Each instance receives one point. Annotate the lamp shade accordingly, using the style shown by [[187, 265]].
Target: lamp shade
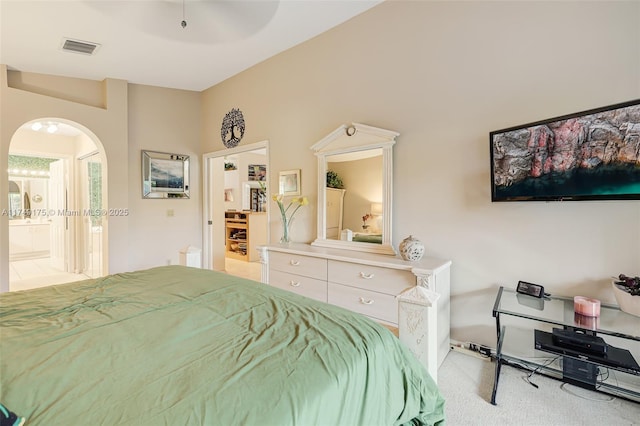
[[376, 209]]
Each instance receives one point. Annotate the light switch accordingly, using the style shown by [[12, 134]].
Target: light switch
[[170, 212]]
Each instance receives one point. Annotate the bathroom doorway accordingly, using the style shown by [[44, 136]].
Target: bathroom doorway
[[56, 196]]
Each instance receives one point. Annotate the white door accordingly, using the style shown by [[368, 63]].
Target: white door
[[57, 218]]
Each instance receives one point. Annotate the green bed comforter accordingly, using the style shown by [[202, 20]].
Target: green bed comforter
[[368, 238], [185, 346]]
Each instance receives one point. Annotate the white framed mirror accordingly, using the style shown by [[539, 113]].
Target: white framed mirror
[[356, 213]]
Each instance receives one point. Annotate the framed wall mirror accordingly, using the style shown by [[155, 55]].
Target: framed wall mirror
[[355, 172], [165, 175]]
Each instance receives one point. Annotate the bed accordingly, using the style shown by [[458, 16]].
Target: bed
[[367, 238], [184, 346]]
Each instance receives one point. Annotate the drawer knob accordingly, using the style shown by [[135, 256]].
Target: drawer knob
[[366, 276], [294, 262], [294, 283], [366, 301]]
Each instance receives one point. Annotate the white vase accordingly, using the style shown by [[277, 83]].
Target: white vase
[[628, 303], [411, 249]]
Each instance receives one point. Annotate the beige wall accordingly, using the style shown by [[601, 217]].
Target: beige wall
[[33, 96], [133, 118], [444, 74], [165, 120]]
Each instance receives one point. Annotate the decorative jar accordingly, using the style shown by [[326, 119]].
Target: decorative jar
[[411, 249]]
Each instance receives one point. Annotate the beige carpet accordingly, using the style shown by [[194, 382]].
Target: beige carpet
[[466, 383]]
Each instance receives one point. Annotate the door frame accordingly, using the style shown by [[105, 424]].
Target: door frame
[[210, 209]]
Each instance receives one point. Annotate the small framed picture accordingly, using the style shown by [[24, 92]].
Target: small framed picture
[[257, 172], [289, 183]]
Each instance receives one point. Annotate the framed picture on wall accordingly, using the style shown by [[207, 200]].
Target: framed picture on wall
[[165, 175], [289, 183], [257, 172]]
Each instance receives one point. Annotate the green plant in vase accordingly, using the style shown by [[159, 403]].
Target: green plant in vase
[[333, 180]]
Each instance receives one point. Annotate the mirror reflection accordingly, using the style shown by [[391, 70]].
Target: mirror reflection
[[355, 188], [354, 208]]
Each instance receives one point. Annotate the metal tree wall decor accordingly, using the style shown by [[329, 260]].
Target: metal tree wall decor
[[232, 129]]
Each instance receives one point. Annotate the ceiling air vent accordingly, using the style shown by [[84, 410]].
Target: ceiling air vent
[[78, 46]]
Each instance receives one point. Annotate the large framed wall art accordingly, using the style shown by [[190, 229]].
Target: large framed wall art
[[165, 175]]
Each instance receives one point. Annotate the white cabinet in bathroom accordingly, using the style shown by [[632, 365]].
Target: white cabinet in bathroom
[[28, 240]]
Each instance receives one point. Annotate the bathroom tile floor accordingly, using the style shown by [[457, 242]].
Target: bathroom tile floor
[[34, 273]]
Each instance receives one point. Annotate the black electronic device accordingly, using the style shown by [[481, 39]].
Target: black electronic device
[[617, 358], [530, 289], [579, 373], [579, 341], [518, 175]]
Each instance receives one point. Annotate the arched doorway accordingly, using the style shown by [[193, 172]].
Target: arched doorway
[[57, 180]]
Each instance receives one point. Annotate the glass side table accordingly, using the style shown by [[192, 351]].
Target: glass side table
[[524, 325]]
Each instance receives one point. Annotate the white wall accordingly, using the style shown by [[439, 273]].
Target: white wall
[[444, 74]]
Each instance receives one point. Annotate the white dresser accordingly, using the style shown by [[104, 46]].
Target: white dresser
[[410, 296]]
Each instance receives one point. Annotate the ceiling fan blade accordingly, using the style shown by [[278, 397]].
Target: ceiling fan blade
[[207, 21]]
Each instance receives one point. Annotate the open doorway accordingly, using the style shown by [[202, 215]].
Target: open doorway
[[236, 209], [56, 198]]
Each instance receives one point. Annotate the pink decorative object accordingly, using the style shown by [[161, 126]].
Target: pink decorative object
[[590, 323], [586, 306]]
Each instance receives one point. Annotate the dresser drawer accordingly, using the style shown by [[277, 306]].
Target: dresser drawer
[[313, 267], [369, 303], [304, 286], [382, 280]]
